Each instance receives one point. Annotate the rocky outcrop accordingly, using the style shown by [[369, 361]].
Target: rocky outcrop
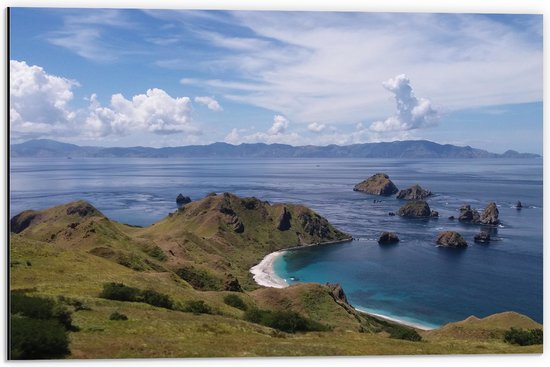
[[482, 237], [387, 238], [21, 221], [182, 200], [82, 209], [232, 284], [337, 292], [414, 193], [314, 224], [490, 215], [451, 239], [468, 215], [378, 184], [413, 209], [284, 220]]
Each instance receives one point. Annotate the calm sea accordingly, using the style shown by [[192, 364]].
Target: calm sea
[[413, 281]]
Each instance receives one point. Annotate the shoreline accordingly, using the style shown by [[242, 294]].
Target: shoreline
[[264, 275], [395, 320]]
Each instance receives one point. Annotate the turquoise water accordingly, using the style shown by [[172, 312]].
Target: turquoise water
[[413, 280]]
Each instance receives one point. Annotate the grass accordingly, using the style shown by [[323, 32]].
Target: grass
[[199, 237]]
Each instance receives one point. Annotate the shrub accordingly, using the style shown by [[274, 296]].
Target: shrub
[[405, 334], [117, 316], [523, 337], [235, 301], [121, 292], [155, 298], [200, 279], [37, 338], [155, 252], [287, 321], [41, 308], [197, 307]]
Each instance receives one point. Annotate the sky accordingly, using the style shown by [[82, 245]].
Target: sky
[[115, 77]]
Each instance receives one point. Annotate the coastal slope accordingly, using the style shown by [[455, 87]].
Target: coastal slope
[[199, 258]]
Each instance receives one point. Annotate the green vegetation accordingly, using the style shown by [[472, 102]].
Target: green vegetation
[[76, 266], [197, 307], [199, 278], [39, 328], [121, 292], [287, 321], [117, 316], [523, 337], [234, 300]]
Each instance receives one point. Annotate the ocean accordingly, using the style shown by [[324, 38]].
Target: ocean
[[414, 281]]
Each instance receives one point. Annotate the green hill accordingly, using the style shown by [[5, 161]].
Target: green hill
[[193, 258]]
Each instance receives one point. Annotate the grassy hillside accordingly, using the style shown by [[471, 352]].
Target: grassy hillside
[[70, 252]]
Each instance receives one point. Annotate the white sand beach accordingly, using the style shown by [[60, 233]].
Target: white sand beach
[[397, 321], [265, 275]]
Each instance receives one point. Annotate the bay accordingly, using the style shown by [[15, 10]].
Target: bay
[[413, 281]]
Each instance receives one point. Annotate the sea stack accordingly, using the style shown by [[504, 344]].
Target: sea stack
[[378, 184], [182, 200], [490, 215], [418, 208], [451, 239], [388, 238], [468, 215], [415, 192]]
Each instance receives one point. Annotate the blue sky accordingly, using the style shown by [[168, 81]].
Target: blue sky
[[167, 78]]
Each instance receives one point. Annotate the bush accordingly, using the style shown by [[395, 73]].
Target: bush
[[523, 337], [197, 307], [37, 338], [235, 301], [155, 298], [121, 292], [405, 334], [155, 252], [200, 279], [287, 321], [41, 308], [117, 316]]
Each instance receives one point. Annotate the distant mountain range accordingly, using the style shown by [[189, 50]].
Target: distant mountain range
[[397, 149]]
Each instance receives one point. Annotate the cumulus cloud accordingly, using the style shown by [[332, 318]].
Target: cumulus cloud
[[280, 124], [316, 127], [39, 102], [40, 107], [209, 102], [155, 111], [277, 133], [412, 113]]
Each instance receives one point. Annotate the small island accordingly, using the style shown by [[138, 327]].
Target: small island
[[378, 184]]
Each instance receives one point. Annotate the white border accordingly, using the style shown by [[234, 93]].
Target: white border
[[453, 6]]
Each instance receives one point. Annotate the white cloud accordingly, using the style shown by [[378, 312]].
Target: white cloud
[[327, 66], [156, 112], [316, 127], [39, 102], [85, 34], [40, 107], [209, 102], [412, 113], [280, 124], [277, 133]]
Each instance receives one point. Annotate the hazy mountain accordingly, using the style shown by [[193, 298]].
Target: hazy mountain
[[396, 149]]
